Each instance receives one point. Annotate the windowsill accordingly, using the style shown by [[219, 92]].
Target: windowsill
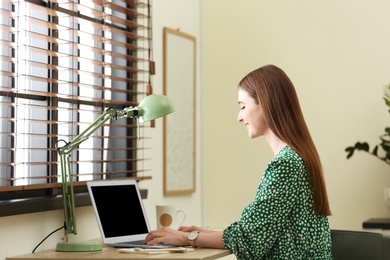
[[33, 205]]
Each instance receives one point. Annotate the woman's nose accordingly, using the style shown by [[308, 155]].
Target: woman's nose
[[239, 118]]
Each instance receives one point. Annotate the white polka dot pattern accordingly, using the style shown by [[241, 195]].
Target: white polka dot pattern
[[281, 223]]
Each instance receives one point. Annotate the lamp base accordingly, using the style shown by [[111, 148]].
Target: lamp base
[[79, 246]]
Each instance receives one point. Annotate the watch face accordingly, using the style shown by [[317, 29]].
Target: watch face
[[192, 235]]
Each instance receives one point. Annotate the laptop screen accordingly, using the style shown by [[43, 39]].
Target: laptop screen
[[119, 210]]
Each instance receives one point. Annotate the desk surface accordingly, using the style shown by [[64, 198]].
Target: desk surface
[[112, 253]]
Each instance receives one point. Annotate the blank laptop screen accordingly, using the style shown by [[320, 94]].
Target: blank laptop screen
[[119, 210]]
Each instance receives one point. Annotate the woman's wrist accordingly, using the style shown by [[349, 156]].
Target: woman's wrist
[[192, 237], [186, 242]]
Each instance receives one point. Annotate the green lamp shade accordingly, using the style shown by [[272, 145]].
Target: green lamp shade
[[153, 107]]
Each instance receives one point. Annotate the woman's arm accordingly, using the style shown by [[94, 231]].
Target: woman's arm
[[210, 239], [206, 238]]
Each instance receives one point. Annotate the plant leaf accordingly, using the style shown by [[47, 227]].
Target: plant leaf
[[350, 151], [362, 146], [375, 151]]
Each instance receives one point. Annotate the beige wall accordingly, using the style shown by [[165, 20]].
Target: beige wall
[[185, 16], [336, 53]]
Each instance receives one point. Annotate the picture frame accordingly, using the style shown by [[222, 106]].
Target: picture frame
[[179, 130]]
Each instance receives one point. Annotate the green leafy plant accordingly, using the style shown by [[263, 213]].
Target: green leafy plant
[[384, 145]]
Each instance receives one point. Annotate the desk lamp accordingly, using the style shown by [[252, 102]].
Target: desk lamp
[[150, 108]]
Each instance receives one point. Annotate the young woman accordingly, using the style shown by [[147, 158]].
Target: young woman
[[288, 218]]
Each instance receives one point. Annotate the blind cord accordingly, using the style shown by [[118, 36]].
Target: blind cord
[[48, 237]]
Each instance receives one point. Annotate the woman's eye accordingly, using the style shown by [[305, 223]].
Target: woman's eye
[[242, 108]]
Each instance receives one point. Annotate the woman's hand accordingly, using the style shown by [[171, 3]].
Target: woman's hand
[[193, 228], [168, 236]]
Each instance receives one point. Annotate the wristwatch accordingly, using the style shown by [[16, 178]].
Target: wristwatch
[[192, 236]]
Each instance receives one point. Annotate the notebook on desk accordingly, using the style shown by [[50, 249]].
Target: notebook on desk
[[120, 213]]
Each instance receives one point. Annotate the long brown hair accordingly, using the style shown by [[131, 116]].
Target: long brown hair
[[270, 87]]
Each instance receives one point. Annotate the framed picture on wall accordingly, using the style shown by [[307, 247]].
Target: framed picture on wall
[[179, 75]]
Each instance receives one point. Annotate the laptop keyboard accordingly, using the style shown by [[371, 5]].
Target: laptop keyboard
[[141, 243], [136, 242]]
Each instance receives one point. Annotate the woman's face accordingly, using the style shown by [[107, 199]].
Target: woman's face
[[251, 114]]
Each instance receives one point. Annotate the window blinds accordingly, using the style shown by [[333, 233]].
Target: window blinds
[[62, 64]]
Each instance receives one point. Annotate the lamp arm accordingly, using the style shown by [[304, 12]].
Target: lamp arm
[[110, 113], [64, 153]]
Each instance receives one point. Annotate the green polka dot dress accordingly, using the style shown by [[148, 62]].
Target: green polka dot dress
[[281, 223]]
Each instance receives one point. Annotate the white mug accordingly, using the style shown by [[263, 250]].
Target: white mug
[[168, 216]]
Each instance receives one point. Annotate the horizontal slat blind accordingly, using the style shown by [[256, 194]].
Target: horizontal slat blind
[[63, 63]]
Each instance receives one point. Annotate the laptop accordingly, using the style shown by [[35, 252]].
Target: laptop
[[120, 213]]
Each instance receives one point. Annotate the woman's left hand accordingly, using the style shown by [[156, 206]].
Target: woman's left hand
[[168, 236]]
